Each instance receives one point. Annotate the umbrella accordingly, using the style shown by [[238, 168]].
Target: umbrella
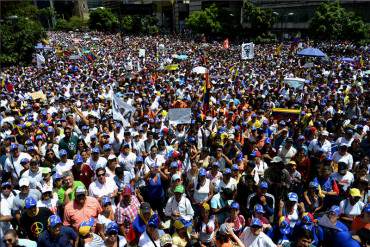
[[199, 70], [180, 57], [308, 65], [311, 52]]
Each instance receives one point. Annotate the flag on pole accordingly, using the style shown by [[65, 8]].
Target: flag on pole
[[40, 60], [121, 111], [278, 49], [226, 44]]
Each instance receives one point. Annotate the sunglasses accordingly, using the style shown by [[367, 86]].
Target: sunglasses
[[101, 175], [7, 240], [6, 187], [112, 233]]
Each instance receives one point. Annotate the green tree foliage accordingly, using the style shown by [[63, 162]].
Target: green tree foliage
[[103, 19], [74, 23], [139, 24], [205, 21], [260, 20], [333, 22], [18, 38], [20, 31]]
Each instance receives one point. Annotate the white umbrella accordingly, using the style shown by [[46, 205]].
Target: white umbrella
[[199, 70]]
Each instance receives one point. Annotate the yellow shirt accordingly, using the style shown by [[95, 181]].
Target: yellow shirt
[[177, 241]]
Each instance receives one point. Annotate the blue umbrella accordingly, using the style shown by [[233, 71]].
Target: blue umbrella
[[311, 52], [347, 59]]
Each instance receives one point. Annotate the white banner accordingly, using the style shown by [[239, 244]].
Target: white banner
[[179, 116], [141, 52], [40, 60], [122, 111], [247, 51]]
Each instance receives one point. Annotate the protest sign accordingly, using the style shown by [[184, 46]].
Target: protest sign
[[285, 113], [247, 51], [179, 116], [122, 111], [296, 83], [141, 52]]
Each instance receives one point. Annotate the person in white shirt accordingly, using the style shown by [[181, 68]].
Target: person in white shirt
[[127, 159], [153, 158], [151, 236], [343, 177], [116, 138], [287, 151], [65, 164], [227, 181], [102, 186], [96, 161], [254, 236], [179, 205], [6, 202], [34, 174], [321, 143], [347, 139], [352, 206], [343, 156], [137, 144], [13, 162]]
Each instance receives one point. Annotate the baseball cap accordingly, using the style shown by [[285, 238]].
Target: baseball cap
[[6, 183], [62, 152], [354, 192], [313, 184], [258, 208], [79, 160], [165, 239], [367, 208], [126, 191], [256, 222], [154, 221], [206, 206], [268, 141], [107, 147], [324, 133], [24, 182], [202, 172], [139, 159], [216, 164], [335, 209], [57, 176], [30, 202], [106, 200], [235, 205], [235, 167], [293, 197], [256, 154], [85, 227], [227, 171], [80, 190], [24, 161], [301, 137], [181, 223], [45, 189], [54, 220], [276, 159], [264, 185], [95, 150], [45, 170], [179, 189], [174, 164], [145, 207], [112, 227], [175, 177], [13, 146], [112, 157]]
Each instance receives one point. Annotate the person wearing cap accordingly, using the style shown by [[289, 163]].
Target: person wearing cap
[[82, 171], [179, 205], [113, 239], [206, 225], [56, 234], [342, 155], [25, 191], [321, 143], [215, 175], [225, 236], [47, 181], [175, 180], [64, 164], [48, 200], [127, 158], [220, 203], [181, 238], [151, 235], [261, 165], [34, 219], [361, 225], [202, 188], [287, 151], [7, 195], [69, 142], [86, 235], [295, 177], [138, 144], [106, 216], [352, 206], [67, 192], [96, 160], [236, 220], [303, 238], [346, 139], [87, 204], [227, 181], [138, 225], [343, 177], [33, 174], [128, 206], [253, 235], [328, 185], [291, 209], [312, 199], [112, 164], [102, 186], [13, 165], [154, 158], [11, 239], [263, 198]]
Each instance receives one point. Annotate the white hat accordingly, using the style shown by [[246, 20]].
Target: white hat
[[324, 133], [24, 182], [45, 189], [111, 157]]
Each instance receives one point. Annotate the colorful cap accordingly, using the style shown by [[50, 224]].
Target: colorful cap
[[258, 208], [154, 221], [179, 189], [30, 202], [107, 147], [256, 222], [24, 161], [79, 160], [264, 185], [106, 200], [227, 171], [112, 227], [354, 192], [206, 206], [181, 223], [175, 177], [293, 197], [139, 159], [335, 209], [54, 220], [126, 191], [57, 176], [24, 182], [13, 146], [80, 190], [313, 184], [235, 205], [235, 167], [62, 152], [95, 150], [85, 227], [202, 172]]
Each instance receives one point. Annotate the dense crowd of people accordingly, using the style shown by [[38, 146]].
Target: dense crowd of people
[[240, 173]]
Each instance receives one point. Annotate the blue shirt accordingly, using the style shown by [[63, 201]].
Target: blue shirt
[[63, 240]]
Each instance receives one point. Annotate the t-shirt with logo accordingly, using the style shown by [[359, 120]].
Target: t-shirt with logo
[[35, 225]]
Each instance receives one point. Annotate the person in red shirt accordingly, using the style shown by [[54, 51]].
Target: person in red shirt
[[82, 171]]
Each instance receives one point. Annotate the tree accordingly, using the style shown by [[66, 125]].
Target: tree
[[103, 19], [18, 38], [260, 20], [139, 24], [20, 31], [205, 21], [333, 22]]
